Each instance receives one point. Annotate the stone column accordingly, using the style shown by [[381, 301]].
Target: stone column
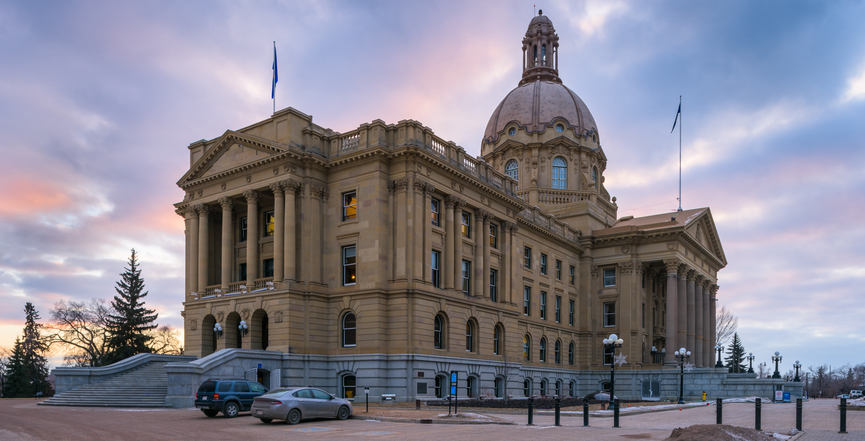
[[251, 237], [672, 310], [450, 230], [477, 272], [458, 245], [713, 290], [227, 242], [691, 346], [402, 223], [487, 257], [191, 214], [203, 247], [697, 352], [278, 231], [391, 215], [682, 307], [426, 222], [506, 265], [707, 339], [290, 228]]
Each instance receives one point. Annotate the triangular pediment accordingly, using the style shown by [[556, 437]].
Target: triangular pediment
[[231, 151], [701, 227]]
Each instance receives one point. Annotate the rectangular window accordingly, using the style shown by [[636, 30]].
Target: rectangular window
[[527, 255], [571, 312], [494, 294], [558, 309], [494, 236], [527, 300], [435, 210], [644, 315], [609, 314], [609, 277], [558, 269], [268, 267], [243, 229], [349, 205], [543, 305], [571, 275], [543, 263], [269, 221], [349, 265], [467, 224], [241, 273], [436, 258], [608, 354], [467, 277]]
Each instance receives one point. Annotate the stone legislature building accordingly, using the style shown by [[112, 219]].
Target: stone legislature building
[[386, 257]]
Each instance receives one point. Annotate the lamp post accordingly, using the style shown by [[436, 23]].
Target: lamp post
[[654, 354], [750, 359], [719, 348], [797, 365], [777, 359], [217, 330], [243, 328], [682, 355], [611, 343], [762, 367]]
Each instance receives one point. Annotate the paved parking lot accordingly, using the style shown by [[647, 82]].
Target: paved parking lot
[[24, 420]]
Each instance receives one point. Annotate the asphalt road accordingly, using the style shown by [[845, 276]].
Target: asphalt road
[[22, 419]]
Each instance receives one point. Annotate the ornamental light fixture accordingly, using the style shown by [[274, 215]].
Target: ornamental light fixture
[[217, 330], [243, 328], [611, 343]]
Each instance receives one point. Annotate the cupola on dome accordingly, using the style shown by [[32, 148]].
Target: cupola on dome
[[540, 100]]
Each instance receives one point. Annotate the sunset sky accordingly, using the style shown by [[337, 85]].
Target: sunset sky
[[99, 100]]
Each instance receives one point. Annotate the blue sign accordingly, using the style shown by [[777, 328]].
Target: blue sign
[[786, 397], [454, 379], [259, 365]]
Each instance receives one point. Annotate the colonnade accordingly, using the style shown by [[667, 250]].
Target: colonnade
[[690, 314]]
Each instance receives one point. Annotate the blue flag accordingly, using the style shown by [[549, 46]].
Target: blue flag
[[678, 112], [275, 75]]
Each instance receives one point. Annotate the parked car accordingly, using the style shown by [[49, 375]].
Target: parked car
[[229, 396], [295, 404], [855, 394], [842, 396]]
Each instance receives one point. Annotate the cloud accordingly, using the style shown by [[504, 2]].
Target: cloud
[[855, 87]]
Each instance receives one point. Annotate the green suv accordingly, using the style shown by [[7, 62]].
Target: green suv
[[229, 396]]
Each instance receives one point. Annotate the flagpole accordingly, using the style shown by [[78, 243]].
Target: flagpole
[[274, 83], [680, 154]]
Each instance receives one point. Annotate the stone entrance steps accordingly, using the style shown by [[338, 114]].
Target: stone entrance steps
[[146, 386]]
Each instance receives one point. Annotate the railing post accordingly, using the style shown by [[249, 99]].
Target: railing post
[[719, 411], [616, 414], [843, 416], [799, 414], [757, 415], [586, 413], [531, 410], [558, 412]]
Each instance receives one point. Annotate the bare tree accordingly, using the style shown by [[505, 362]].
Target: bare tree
[[726, 325], [165, 340], [506, 369], [78, 331]]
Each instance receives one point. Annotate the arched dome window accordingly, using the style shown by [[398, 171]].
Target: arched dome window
[[536, 55], [595, 176], [512, 169], [544, 55], [560, 173]]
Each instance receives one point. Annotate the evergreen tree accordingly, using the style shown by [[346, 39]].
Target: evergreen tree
[[128, 328], [15, 383], [27, 371], [736, 360]]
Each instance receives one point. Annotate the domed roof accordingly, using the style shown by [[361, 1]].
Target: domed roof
[[535, 105]]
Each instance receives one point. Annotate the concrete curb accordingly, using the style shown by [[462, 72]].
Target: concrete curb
[[430, 420]]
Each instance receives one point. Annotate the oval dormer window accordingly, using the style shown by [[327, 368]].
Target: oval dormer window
[[560, 128], [512, 131]]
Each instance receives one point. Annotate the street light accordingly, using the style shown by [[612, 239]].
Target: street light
[[612, 343], [217, 330], [719, 348], [682, 355], [797, 365], [654, 354], [777, 359], [762, 366], [750, 359], [243, 328]]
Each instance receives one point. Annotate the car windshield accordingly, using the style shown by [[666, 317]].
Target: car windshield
[[276, 392], [207, 386]]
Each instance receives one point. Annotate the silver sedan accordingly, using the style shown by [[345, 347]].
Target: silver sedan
[[297, 403]]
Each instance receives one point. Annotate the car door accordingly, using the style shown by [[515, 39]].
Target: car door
[[326, 404], [241, 390], [306, 403]]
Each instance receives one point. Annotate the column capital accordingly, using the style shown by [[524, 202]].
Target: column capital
[[482, 215], [684, 270], [290, 186], [226, 203], [713, 289], [510, 226], [397, 185], [202, 209], [707, 283], [594, 271], [692, 273], [698, 279], [277, 188], [625, 267], [454, 202], [186, 212], [320, 192], [428, 189], [672, 266], [251, 196]]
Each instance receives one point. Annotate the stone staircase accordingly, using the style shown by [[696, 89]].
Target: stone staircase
[[145, 386]]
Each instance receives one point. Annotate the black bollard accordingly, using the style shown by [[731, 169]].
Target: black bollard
[[843, 415], [586, 413], [757, 416], [799, 414], [558, 412], [719, 411], [449, 404], [531, 410], [616, 414]]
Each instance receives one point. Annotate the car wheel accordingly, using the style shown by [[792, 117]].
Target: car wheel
[[210, 412], [231, 409], [342, 413], [266, 420], [293, 417]]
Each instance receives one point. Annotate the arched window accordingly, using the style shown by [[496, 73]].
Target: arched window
[[527, 387], [527, 347], [349, 386], [595, 176], [535, 52], [543, 347], [496, 340], [571, 354], [559, 388], [544, 55], [544, 384], [560, 173], [470, 334], [558, 352], [440, 386], [349, 330], [438, 327], [572, 388], [512, 169], [471, 387], [500, 387]]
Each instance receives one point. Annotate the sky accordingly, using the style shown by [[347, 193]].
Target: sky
[[99, 100]]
